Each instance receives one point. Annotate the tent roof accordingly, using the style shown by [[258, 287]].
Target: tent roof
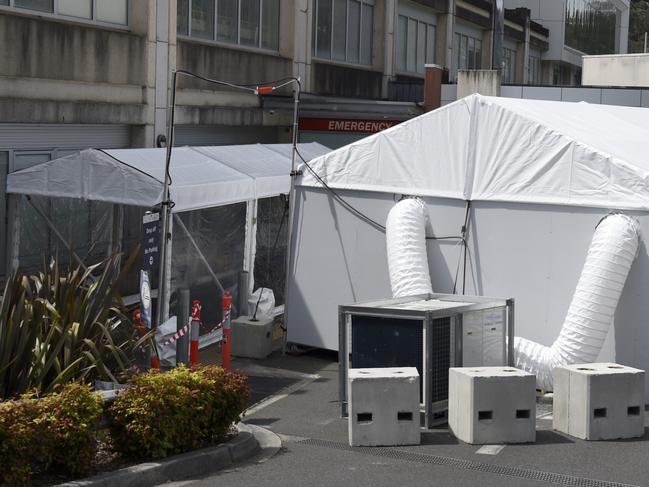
[[504, 149], [202, 177]]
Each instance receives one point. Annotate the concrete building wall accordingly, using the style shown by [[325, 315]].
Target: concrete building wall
[[616, 70]]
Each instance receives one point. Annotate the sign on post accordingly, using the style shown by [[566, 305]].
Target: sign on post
[[151, 241]]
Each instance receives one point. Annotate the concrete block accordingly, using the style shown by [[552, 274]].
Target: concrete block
[[492, 405], [602, 401], [252, 339], [383, 406]]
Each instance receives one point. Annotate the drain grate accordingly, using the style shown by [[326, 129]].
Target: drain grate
[[522, 473]]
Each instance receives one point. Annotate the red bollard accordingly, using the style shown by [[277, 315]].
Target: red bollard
[[137, 321], [227, 330], [194, 332]]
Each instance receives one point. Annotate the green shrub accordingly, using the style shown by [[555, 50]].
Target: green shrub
[[54, 432], [164, 413]]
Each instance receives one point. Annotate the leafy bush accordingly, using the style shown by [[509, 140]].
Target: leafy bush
[[57, 327], [165, 413], [54, 432]]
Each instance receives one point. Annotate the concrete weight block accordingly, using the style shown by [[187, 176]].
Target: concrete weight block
[[383, 406], [489, 405], [600, 401], [252, 339]]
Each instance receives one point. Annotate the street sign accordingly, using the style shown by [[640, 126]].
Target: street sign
[[150, 241]]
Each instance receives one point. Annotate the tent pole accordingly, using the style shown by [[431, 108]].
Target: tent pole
[[163, 305], [291, 207], [50, 224]]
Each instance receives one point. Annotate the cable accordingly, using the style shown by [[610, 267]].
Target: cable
[[354, 210]]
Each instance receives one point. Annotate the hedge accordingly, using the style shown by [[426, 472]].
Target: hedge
[[166, 413], [157, 414], [55, 433]]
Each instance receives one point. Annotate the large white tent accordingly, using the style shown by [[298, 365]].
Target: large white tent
[[539, 175]]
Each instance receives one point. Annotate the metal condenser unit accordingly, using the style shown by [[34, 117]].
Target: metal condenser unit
[[430, 332]]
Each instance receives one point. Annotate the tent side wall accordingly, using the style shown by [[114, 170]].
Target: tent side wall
[[533, 253]]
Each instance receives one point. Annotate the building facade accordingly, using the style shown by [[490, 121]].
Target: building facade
[[96, 73], [577, 28]]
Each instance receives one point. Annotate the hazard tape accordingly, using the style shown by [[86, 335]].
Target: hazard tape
[[183, 331]]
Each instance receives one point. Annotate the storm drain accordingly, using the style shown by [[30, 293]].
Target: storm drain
[[521, 473]]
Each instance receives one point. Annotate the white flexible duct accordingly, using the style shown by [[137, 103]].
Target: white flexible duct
[[405, 235], [610, 255]]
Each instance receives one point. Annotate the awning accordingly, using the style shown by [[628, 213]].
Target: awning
[[202, 177]]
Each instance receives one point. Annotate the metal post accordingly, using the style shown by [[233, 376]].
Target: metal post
[[162, 308], [182, 344], [244, 292], [227, 330], [291, 208]]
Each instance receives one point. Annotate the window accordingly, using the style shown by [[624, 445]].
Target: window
[[343, 30], [108, 11], [509, 66], [592, 26], [534, 70], [469, 52], [415, 44], [253, 23]]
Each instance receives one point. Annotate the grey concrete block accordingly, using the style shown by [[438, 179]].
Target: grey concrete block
[[601, 401], [492, 405], [252, 339], [383, 407]]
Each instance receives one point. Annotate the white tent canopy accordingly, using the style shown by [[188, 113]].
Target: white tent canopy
[[202, 177], [502, 149]]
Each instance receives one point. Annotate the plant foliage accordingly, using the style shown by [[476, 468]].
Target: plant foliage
[[166, 413], [57, 327], [56, 433]]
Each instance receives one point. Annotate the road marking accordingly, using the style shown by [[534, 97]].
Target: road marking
[[287, 391], [490, 449]]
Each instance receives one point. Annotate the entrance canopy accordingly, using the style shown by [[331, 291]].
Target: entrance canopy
[[202, 177], [503, 149]]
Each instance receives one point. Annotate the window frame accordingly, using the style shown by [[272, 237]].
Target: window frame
[[425, 20], [238, 45], [346, 61], [54, 15], [471, 64], [509, 66]]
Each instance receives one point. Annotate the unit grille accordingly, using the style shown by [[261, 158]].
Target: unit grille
[[440, 358]]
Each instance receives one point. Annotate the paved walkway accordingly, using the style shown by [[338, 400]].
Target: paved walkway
[[315, 450]]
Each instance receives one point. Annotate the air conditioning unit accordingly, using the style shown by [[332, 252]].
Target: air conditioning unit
[[430, 332]]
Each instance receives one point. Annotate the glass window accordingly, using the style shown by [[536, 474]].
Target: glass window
[[182, 17], [367, 28], [4, 162], [509, 68], [42, 5], [323, 29], [534, 70], [339, 30], [76, 8], [353, 31], [469, 52], [113, 11], [421, 47], [430, 44], [591, 26], [270, 24], [228, 21], [411, 57], [402, 48], [343, 30], [249, 23], [4, 2], [203, 19]]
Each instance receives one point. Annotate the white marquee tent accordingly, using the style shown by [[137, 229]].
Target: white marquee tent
[[539, 176]]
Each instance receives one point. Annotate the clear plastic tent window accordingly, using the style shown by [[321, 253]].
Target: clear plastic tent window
[[95, 200]]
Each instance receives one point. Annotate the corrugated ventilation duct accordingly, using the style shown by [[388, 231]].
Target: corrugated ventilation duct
[[406, 245], [610, 255]]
